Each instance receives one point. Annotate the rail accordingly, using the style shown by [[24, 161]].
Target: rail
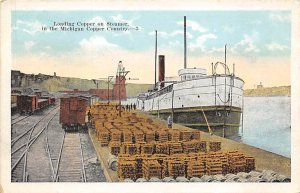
[[56, 177], [29, 142], [49, 156], [82, 162], [71, 155], [13, 141], [18, 119]]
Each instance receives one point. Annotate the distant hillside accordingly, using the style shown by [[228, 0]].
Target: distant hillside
[[55, 84], [269, 91]]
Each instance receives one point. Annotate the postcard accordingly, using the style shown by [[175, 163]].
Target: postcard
[[150, 96]]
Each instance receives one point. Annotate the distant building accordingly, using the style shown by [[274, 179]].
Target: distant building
[[16, 78], [260, 86]]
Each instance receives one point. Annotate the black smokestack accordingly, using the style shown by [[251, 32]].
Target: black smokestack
[[161, 77]]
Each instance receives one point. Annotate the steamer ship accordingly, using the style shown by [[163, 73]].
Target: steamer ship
[[211, 103]]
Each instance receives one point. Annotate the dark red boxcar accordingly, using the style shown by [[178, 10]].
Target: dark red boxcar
[[27, 103], [72, 111]]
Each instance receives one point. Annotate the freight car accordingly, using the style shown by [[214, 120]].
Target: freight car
[[50, 99], [27, 103], [13, 103], [32, 103], [73, 111]]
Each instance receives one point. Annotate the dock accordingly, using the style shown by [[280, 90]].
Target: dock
[[264, 160]]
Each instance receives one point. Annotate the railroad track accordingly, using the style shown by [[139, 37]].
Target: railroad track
[[18, 119], [70, 163], [20, 147]]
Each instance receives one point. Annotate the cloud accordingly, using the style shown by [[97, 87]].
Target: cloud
[[219, 50], [247, 44], [275, 46], [28, 45], [97, 43], [228, 29], [97, 19], [194, 25], [30, 27], [200, 41], [119, 19], [283, 17]]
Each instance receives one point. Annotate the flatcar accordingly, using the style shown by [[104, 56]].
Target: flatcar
[[73, 112]]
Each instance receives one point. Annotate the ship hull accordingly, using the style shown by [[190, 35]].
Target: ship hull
[[224, 121]]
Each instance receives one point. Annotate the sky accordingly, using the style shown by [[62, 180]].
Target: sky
[[258, 43]]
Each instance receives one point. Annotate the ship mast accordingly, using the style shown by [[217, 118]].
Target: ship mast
[[155, 57], [184, 42]]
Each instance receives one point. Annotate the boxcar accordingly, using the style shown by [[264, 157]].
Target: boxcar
[[73, 112], [27, 103]]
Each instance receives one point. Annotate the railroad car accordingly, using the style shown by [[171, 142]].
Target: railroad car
[[73, 112], [42, 103], [52, 100], [14, 98], [27, 103]]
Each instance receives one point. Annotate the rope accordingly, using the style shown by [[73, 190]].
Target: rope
[[209, 129]]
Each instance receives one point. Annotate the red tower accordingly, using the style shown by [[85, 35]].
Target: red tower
[[119, 90], [119, 86]]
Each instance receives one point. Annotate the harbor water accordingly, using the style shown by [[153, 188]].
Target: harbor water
[[267, 124]]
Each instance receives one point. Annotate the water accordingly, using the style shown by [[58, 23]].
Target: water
[[267, 122]]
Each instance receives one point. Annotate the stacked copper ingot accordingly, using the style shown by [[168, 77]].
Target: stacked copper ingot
[[103, 137], [134, 137], [176, 168], [196, 134], [151, 168], [130, 148], [188, 165], [115, 148], [195, 168], [161, 136], [190, 146], [200, 146], [147, 148], [186, 134], [127, 136], [250, 164], [162, 148], [115, 135], [175, 147], [127, 169], [214, 146], [174, 134], [138, 136], [223, 158], [236, 162], [149, 136], [213, 166]]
